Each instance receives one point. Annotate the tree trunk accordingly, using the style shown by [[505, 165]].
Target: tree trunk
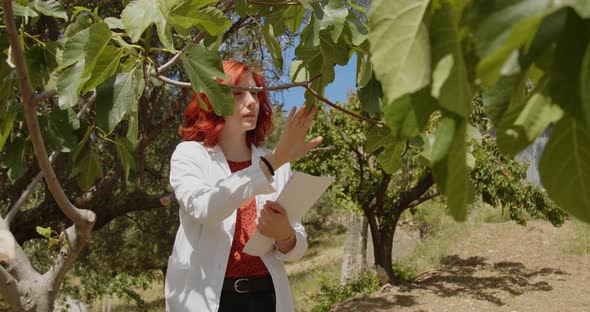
[[382, 248]]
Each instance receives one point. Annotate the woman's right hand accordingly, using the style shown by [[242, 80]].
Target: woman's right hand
[[292, 145]]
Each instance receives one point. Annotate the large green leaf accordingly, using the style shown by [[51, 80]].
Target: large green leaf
[[565, 167], [6, 123], [25, 11], [273, 46], [50, 8], [82, 22], [188, 15], [370, 96], [400, 51], [496, 99], [449, 165], [203, 67], [584, 85], [57, 131], [564, 87], [364, 71], [408, 116], [105, 67], [115, 97], [327, 14], [522, 125], [69, 83], [15, 158], [281, 17], [41, 62], [86, 45], [390, 156], [140, 14], [358, 29], [87, 169], [453, 88], [510, 27]]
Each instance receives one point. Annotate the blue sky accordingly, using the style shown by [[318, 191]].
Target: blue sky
[[335, 92]]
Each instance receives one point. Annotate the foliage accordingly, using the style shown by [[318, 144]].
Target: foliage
[[333, 292]]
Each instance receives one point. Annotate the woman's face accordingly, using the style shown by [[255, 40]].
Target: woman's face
[[246, 106]]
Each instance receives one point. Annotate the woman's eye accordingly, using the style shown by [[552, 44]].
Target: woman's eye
[[237, 93]]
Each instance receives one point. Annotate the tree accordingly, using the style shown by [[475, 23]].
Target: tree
[[385, 187], [98, 97]]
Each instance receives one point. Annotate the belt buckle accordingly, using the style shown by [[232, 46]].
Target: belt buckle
[[236, 286]]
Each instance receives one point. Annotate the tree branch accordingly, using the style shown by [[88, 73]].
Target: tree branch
[[9, 290], [27, 96], [416, 191], [424, 198], [274, 3], [323, 99], [28, 191]]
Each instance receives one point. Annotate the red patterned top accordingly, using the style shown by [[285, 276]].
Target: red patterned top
[[242, 264]]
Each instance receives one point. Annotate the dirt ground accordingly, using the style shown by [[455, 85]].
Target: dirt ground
[[498, 267]]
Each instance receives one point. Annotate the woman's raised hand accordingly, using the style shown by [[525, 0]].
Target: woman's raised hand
[[292, 145]]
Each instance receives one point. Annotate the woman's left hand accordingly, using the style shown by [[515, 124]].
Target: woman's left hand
[[274, 222]]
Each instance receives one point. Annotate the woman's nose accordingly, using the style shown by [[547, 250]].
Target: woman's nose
[[251, 99]]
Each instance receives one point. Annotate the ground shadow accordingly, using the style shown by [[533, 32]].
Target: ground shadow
[[364, 303], [476, 278]]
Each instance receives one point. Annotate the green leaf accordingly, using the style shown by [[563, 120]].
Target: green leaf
[[115, 97], [565, 167], [210, 19], [86, 45], [140, 14], [273, 46], [370, 96], [358, 29], [15, 158], [409, 115], [451, 86], [390, 157], [330, 13], [364, 71], [496, 99], [57, 131], [45, 232], [106, 66], [522, 125], [400, 51], [124, 149], [82, 22], [507, 29], [86, 169], [114, 23], [570, 51], [449, 165], [584, 83], [6, 123], [50, 8], [24, 11], [41, 62], [69, 83], [203, 67]]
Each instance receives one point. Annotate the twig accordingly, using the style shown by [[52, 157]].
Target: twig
[[274, 3], [184, 84], [323, 99], [9, 290], [44, 95]]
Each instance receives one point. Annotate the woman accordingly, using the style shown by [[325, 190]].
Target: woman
[[225, 183]]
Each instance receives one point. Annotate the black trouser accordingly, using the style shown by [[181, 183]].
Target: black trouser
[[248, 295]]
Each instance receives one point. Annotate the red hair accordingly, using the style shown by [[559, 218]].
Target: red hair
[[205, 126]]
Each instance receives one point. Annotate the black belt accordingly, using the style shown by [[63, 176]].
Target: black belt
[[248, 285]]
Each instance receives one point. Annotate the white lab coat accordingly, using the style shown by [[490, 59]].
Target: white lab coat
[[209, 196]]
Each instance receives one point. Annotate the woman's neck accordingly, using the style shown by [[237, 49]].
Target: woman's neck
[[234, 146]]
